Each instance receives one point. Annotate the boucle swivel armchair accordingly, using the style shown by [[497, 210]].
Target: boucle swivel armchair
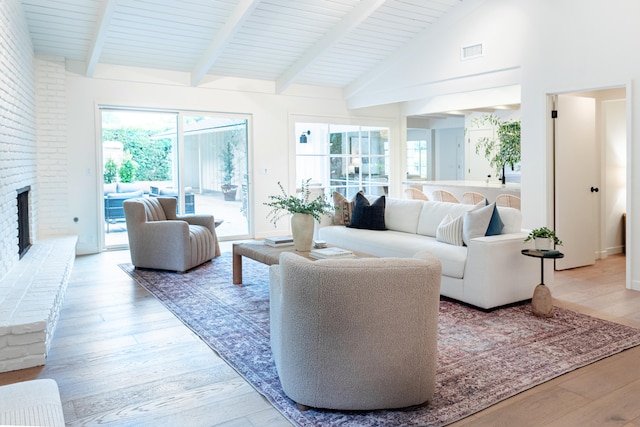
[[355, 334], [158, 238]]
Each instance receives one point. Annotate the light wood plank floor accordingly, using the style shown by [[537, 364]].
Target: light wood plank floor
[[121, 358]]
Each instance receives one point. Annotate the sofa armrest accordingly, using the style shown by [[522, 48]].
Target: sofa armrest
[[207, 221], [164, 233], [497, 273], [160, 243], [203, 220]]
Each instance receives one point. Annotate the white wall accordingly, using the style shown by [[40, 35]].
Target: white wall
[[546, 46], [17, 129], [583, 49], [271, 134], [430, 66], [614, 171], [53, 156]]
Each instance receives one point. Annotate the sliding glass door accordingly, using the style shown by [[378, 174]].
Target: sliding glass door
[[201, 160], [215, 170]]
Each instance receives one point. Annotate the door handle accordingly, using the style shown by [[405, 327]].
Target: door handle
[[594, 189]]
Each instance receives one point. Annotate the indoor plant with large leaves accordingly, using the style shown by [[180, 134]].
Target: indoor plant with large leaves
[[304, 210], [503, 149]]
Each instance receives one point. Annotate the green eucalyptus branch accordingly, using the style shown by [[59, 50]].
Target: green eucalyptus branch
[[284, 204]]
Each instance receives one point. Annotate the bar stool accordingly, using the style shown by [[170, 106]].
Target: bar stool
[[444, 196], [508, 200], [471, 198], [414, 193]]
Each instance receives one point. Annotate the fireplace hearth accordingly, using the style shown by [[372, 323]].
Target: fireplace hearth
[[24, 240]]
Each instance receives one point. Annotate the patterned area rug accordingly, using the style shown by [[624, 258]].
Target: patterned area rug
[[483, 358]]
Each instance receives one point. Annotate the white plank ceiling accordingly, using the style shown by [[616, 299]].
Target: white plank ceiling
[[317, 42]]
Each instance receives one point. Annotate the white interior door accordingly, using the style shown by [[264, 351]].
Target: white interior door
[[478, 167], [449, 153], [576, 181]]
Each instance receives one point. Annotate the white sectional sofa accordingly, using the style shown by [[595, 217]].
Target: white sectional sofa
[[488, 272]]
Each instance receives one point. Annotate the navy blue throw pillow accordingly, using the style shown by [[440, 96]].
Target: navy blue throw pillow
[[366, 215], [495, 224]]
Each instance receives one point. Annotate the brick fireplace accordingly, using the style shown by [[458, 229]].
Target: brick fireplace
[[24, 239], [31, 296]]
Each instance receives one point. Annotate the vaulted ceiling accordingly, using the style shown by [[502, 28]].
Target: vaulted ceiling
[[318, 42]]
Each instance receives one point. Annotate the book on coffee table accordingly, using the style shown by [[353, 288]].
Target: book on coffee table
[[325, 253], [279, 241]]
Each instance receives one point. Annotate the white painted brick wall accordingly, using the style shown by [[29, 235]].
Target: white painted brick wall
[[18, 147], [32, 153], [53, 165], [31, 297]]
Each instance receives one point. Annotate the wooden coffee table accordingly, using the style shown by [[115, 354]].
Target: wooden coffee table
[[266, 254]]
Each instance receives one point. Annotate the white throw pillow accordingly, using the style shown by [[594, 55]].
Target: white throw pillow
[[476, 222], [450, 231]]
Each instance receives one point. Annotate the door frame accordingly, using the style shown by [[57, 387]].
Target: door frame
[[551, 182], [570, 196], [178, 164]]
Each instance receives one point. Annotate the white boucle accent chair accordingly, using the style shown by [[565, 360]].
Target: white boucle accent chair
[[31, 403], [160, 239], [355, 334]]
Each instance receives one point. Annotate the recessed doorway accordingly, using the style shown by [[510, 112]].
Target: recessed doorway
[[590, 189]]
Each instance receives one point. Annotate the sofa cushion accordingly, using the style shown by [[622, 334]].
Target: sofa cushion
[[110, 188], [512, 220], [127, 195], [343, 208], [402, 214], [450, 231], [476, 222], [366, 215], [433, 213], [397, 244], [126, 187]]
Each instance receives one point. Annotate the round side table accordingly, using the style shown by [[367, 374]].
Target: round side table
[[542, 303]]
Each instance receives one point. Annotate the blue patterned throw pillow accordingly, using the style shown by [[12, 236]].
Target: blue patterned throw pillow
[[367, 215]]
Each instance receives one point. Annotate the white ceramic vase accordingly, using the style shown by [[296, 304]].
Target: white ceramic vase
[[302, 231], [543, 243]]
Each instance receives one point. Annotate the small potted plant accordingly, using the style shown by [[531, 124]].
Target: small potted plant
[[544, 238], [304, 210]]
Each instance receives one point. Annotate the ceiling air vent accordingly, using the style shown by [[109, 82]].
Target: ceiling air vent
[[472, 51]]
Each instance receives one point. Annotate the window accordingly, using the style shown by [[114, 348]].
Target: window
[[200, 159], [343, 158], [419, 154]]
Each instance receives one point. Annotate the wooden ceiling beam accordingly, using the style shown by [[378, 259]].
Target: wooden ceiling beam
[[358, 14], [93, 55], [240, 14]]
